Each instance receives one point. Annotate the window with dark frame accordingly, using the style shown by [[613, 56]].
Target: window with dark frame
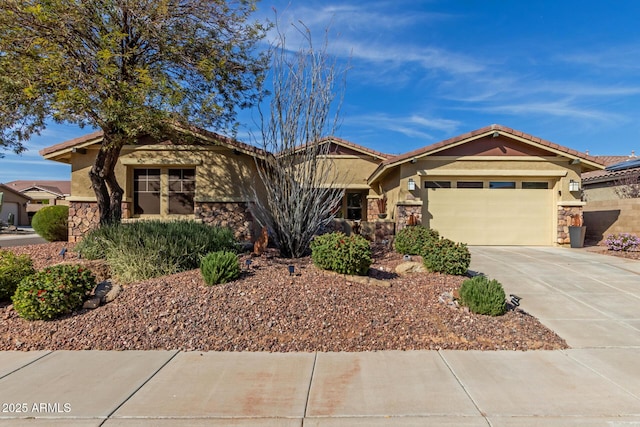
[[531, 185], [500, 185], [469, 184], [146, 191], [354, 206], [182, 186], [437, 184]]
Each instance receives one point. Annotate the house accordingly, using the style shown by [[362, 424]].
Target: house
[[608, 210], [42, 193], [14, 205], [492, 186]]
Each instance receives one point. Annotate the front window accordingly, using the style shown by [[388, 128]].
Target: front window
[[146, 191], [162, 191], [354, 206], [182, 188]]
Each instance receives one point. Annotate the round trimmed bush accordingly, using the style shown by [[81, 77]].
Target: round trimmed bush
[[52, 292], [415, 240], [220, 267], [341, 253], [483, 296], [52, 223], [446, 256], [13, 268]]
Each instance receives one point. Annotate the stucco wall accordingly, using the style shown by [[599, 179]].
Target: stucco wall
[[604, 217]]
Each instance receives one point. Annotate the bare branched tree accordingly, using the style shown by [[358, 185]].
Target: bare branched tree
[[628, 186], [301, 193]]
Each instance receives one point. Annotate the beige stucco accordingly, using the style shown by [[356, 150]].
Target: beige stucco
[[222, 174], [487, 216]]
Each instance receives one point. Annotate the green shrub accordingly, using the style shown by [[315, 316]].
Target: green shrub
[[52, 292], [341, 253], [483, 296], [446, 256], [415, 240], [52, 223], [220, 267], [145, 249], [13, 269]]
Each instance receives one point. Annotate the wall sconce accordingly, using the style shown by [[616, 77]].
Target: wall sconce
[[411, 185], [574, 185]]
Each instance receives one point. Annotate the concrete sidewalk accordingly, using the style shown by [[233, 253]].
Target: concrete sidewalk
[[590, 300], [415, 388]]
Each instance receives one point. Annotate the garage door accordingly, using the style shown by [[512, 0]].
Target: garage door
[[8, 208], [494, 214]]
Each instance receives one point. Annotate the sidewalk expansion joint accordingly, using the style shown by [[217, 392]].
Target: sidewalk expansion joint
[[28, 364], [475, 404], [313, 371], [139, 387]]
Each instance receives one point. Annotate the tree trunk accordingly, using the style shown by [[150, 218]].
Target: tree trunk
[[105, 186]]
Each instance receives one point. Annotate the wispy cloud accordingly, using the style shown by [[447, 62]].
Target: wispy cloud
[[412, 126]]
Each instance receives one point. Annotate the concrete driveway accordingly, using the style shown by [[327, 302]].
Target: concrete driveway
[[590, 300]]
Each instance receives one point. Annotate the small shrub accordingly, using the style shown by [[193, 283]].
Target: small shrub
[[220, 267], [52, 292], [13, 269], [146, 249], [622, 242], [446, 256], [415, 240], [341, 253], [483, 296], [52, 223]]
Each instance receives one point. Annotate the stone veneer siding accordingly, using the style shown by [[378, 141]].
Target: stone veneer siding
[[403, 212], [372, 209], [234, 215], [84, 217], [564, 221]]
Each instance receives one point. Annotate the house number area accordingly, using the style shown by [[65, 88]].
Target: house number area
[[36, 407]]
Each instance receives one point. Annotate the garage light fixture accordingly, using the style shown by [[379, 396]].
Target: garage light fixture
[[411, 185], [574, 185]]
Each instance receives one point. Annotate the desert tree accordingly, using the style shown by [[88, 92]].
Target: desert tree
[[301, 185], [628, 186], [130, 68]]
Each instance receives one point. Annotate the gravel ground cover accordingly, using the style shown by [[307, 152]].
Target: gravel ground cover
[[267, 309]]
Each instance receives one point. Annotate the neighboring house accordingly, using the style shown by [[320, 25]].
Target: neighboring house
[[42, 193], [605, 211], [14, 204], [492, 186]]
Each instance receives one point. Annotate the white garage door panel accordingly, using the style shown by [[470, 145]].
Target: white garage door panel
[[491, 216]]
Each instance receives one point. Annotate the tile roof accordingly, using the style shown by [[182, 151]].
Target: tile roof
[[355, 146], [56, 187], [227, 141], [5, 187], [477, 132], [607, 175]]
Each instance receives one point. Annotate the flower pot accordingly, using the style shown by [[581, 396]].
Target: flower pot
[[576, 236], [382, 215]]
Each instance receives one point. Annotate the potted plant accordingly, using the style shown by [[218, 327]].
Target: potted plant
[[577, 231], [382, 206]]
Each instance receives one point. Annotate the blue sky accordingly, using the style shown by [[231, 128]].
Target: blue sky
[[423, 71]]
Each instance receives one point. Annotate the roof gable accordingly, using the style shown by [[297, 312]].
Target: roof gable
[[341, 146], [55, 152], [506, 142]]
